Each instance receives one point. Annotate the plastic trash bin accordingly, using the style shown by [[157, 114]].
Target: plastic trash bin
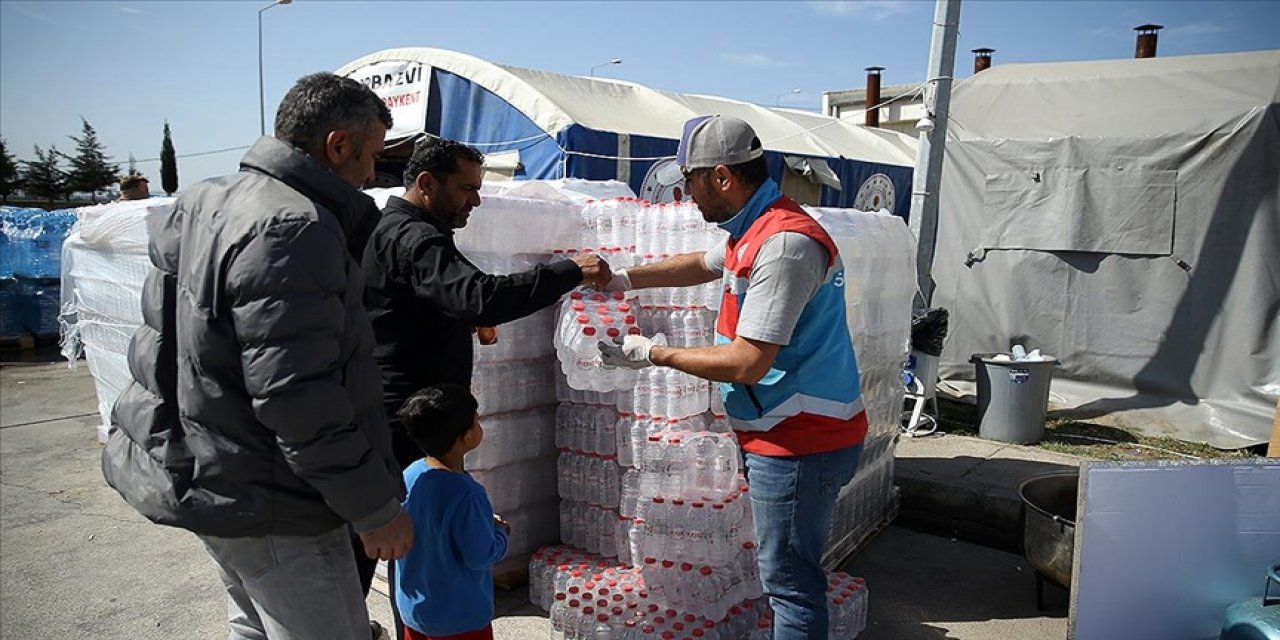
[[1013, 397]]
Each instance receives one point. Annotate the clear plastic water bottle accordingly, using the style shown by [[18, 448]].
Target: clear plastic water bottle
[[605, 431], [622, 438], [630, 490], [673, 465], [673, 392]]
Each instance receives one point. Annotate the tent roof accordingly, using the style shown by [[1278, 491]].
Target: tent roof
[[555, 101], [1193, 94]]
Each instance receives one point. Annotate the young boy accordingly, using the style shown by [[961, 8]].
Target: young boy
[[444, 589]]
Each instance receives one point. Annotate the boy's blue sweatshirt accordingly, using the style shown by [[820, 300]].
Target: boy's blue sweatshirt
[[444, 585]]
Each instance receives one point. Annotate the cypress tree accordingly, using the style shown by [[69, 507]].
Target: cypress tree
[[168, 164]]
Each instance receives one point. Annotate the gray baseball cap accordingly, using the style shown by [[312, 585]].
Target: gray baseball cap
[[714, 140]]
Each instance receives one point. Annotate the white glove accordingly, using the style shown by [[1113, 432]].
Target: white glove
[[621, 281], [632, 354]]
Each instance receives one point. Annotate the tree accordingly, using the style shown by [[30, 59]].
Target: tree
[[43, 177], [91, 170], [168, 164], [8, 172], [133, 166]]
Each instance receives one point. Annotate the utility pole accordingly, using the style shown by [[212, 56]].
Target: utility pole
[[933, 136]]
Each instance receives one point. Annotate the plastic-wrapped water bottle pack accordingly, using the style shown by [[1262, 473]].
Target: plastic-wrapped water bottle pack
[[32, 241]]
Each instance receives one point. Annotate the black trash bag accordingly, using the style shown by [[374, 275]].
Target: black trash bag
[[928, 330]]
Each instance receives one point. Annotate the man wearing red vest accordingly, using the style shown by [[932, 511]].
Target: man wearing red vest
[[787, 368]]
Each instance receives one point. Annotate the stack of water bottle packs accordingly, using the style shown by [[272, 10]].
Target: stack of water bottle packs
[[30, 269], [104, 266], [512, 381], [588, 597], [654, 511], [878, 252]]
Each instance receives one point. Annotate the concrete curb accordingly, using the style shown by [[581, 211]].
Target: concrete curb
[[967, 488]]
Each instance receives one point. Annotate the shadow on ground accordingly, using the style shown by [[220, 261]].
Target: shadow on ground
[[925, 587]]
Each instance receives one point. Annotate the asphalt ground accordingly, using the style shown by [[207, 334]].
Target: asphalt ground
[[76, 561]]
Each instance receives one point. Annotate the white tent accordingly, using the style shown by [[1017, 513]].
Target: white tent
[[1123, 216], [595, 128]]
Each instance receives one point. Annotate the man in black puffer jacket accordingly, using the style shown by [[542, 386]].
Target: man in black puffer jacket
[[255, 418]]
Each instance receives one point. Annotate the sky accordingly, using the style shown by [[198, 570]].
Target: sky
[[128, 66]]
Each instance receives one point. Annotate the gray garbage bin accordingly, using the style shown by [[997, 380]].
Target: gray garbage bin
[[1012, 397]]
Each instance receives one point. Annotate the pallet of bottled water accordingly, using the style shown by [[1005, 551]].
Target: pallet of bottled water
[[648, 468], [878, 252], [590, 597]]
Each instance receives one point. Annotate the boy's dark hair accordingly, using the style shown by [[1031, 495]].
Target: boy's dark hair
[[323, 102], [439, 157], [437, 416]]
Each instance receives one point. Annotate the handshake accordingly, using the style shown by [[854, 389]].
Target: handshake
[[597, 274], [633, 351]]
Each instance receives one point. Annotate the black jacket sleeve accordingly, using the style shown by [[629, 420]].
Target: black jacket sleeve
[[440, 274]]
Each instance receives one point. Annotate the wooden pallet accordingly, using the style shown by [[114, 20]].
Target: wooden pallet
[[23, 342], [512, 573], [27, 341]]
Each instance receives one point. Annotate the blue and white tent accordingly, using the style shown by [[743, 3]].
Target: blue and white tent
[[541, 125]]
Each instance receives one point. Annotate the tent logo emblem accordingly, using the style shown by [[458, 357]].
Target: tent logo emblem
[[663, 182], [876, 193]]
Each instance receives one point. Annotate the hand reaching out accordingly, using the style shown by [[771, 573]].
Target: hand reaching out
[[633, 353], [595, 272]]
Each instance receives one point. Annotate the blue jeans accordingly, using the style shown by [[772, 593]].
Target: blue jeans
[[291, 587], [792, 499]]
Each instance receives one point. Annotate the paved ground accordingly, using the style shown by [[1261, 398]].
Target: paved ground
[[76, 561], [967, 487]]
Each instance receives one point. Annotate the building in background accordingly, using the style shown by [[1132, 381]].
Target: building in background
[[901, 115]]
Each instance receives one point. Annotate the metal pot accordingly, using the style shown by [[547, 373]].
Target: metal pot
[[1049, 527]]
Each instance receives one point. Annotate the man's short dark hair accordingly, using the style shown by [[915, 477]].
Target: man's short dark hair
[[133, 180], [323, 102], [751, 173], [439, 157], [437, 416]]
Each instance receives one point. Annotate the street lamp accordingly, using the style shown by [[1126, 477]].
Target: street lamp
[[262, 109], [605, 64], [778, 99]]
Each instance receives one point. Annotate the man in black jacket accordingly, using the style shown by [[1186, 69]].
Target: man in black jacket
[[425, 298], [255, 418]]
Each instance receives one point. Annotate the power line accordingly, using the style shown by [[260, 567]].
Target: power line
[[191, 155]]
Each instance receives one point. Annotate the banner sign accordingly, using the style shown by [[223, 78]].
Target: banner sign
[[404, 86]]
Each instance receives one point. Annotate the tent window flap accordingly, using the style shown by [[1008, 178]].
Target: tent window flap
[[1113, 209], [816, 170]]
